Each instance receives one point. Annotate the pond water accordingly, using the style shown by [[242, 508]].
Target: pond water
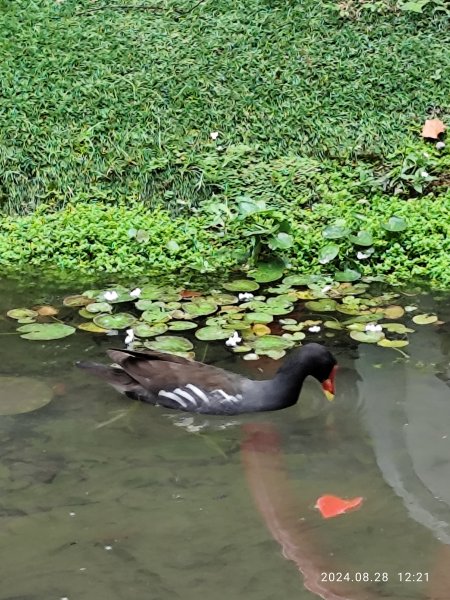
[[106, 499]]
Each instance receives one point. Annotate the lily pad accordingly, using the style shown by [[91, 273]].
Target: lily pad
[[170, 343], [368, 337], [393, 311], [258, 317], [276, 354], [76, 301], [396, 328], [297, 280], [425, 319], [268, 271], [395, 224], [92, 328], [325, 305], [145, 330], [156, 315], [22, 313], [207, 334], [45, 331], [223, 299], [117, 321], [199, 307], [347, 275], [333, 325], [98, 307], [270, 343], [392, 343], [241, 285], [182, 325], [47, 311], [22, 394], [260, 329]]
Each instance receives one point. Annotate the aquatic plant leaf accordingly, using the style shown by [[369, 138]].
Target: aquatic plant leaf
[[182, 325], [157, 315], [296, 336], [22, 394], [280, 241], [325, 305], [333, 325], [169, 343], [425, 319], [395, 224], [258, 317], [393, 311], [91, 293], [269, 343], [260, 329], [86, 314], [144, 304], [392, 343], [296, 327], [332, 506], [91, 327], [288, 322], [223, 299], [76, 301], [368, 337], [347, 275], [241, 285], [212, 333], [328, 253], [146, 330], [334, 232], [241, 348], [396, 328], [199, 307], [117, 321], [22, 313], [268, 271], [47, 311], [362, 238], [45, 331], [98, 307], [275, 354], [297, 280]]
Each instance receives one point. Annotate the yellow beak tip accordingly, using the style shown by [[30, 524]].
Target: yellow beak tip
[[328, 395]]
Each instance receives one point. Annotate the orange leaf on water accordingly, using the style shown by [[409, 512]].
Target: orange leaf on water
[[433, 128], [190, 294], [332, 506]]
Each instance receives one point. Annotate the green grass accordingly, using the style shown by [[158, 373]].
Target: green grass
[[111, 104]]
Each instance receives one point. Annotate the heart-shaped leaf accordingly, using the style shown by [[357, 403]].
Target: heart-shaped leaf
[[362, 238], [241, 285], [45, 331], [328, 253], [22, 313], [395, 224], [258, 317], [117, 321], [268, 271], [392, 343], [325, 305], [169, 343], [182, 325], [335, 232], [212, 333], [347, 275], [368, 337], [425, 319], [76, 301], [146, 330], [98, 307]]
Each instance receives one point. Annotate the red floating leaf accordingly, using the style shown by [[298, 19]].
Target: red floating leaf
[[189, 294], [332, 506]]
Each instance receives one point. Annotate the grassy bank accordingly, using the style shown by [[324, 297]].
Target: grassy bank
[[106, 119]]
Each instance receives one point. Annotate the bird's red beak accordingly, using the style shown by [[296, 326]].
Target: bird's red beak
[[328, 384]]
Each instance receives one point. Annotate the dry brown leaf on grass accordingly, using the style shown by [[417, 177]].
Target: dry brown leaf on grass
[[433, 128]]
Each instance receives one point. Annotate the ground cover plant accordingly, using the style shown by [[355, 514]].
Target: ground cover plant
[[207, 136]]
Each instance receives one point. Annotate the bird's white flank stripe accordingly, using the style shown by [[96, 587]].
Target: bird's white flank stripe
[[173, 396], [225, 395], [186, 395], [199, 392]]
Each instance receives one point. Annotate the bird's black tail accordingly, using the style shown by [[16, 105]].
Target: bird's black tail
[[115, 376]]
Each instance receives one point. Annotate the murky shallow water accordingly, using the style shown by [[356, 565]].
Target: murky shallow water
[[106, 499]]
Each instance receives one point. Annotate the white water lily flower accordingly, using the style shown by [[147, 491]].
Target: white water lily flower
[[373, 327], [136, 293], [233, 340], [110, 295], [214, 135], [362, 255], [245, 296], [130, 336], [440, 145], [424, 174], [314, 329]]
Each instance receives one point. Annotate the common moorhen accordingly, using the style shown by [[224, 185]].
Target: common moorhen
[[174, 382]]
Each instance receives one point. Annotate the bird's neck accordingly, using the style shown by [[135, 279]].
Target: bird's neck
[[285, 387]]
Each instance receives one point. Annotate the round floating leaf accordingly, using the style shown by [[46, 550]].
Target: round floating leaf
[[328, 253], [98, 307], [144, 304], [200, 307], [22, 394], [118, 321], [145, 330], [47, 311], [288, 322], [91, 293], [296, 327], [297, 280], [393, 311], [334, 232], [258, 317], [270, 343], [296, 336], [275, 354], [155, 315], [369, 337], [241, 285], [212, 333], [45, 331], [392, 343], [85, 314], [91, 328], [396, 328], [362, 238], [347, 275], [395, 224], [333, 325], [268, 271], [325, 305], [26, 320], [22, 313], [425, 319], [170, 343], [182, 325], [76, 301], [260, 329], [241, 348], [223, 299], [251, 356]]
